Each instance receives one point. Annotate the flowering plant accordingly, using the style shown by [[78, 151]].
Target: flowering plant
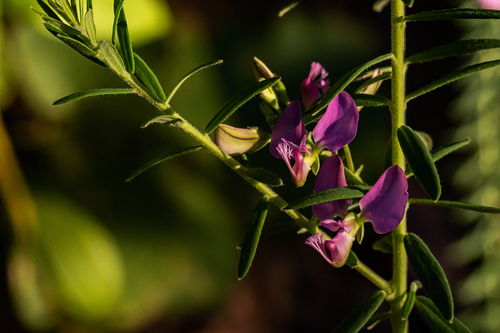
[[341, 201]]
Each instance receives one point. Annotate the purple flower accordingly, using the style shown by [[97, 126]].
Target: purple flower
[[489, 4], [385, 203], [340, 246], [288, 141], [314, 85], [330, 175], [335, 129]]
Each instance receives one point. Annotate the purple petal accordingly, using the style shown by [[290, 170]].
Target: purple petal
[[290, 128], [339, 247], [332, 225], [489, 4], [385, 204], [330, 175], [339, 124], [315, 84]]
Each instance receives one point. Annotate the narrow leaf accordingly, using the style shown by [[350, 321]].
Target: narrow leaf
[[370, 100], [441, 152], [252, 237], [459, 74], [163, 119], [459, 48], [454, 14], [456, 204], [58, 26], [325, 196], [376, 319], [264, 176], [238, 100], [63, 9], [340, 85], [161, 159], [82, 49], [90, 27], [188, 75], [117, 5], [361, 314], [146, 76], [408, 305], [383, 244], [112, 58], [430, 273], [125, 42], [288, 8], [373, 80], [430, 315], [48, 10], [91, 93], [420, 161]]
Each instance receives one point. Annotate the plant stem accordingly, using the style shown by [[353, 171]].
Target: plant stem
[[398, 107], [373, 277]]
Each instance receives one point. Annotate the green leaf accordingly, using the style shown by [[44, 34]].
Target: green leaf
[[82, 49], [430, 315], [373, 80], [420, 161], [252, 237], [264, 176], [314, 113], [325, 196], [288, 8], [154, 162], [352, 259], [459, 48], [48, 10], [408, 3], [162, 119], [59, 27], [112, 58], [117, 5], [188, 75], [63, 9], [441, 152], [454, 14], [91, 93], [459, 74], [146, 76], [370, 100], [125, 42], [357, 318], [430, 273], [376, 319], [383, 244], [456, 204], [238, 100], [90, 27], [409, 302]]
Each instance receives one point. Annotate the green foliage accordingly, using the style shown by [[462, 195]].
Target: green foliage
[[358, 317], [324, 196], [252, 237], [430, 273], [454, 14], [92, 93], [383, 244], [456, 204], [237, 101], [146, 76], [420, 161], [264, 176], [435, 320]]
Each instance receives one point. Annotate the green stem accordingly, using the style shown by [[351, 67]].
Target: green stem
[[398, 107], [348, 158]]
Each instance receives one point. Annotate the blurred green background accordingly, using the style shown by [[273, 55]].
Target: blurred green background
[[158, 254]]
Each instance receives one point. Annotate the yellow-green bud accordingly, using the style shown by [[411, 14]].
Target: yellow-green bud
[[237, 141]]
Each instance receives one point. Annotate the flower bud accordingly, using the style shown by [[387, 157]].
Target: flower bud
[[237, 141], [262, 71]]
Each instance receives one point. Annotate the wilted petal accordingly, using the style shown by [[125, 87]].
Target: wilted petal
[[339, 124], [290, 128], [315, 84], [237, 141], [385, 204], [330, 175]]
